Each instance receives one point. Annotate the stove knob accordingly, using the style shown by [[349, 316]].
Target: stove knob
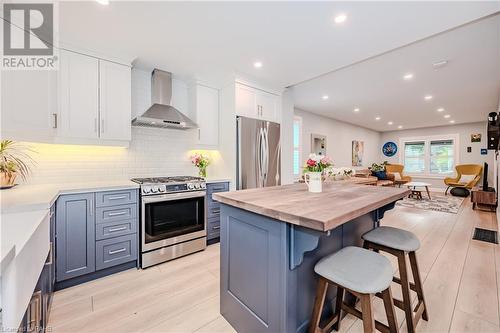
[[197, 186], [161, 188], [203, 185], [154, 189], [146, 190], [190, 186]]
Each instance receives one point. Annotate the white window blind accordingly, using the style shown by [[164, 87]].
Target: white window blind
[[414, 157], [442, 157]]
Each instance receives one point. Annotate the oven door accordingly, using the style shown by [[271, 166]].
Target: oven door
[[169, 219]]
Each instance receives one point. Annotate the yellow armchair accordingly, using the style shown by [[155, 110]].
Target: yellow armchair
[[398, 169], [464, 170]]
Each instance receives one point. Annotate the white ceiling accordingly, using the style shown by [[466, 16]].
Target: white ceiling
[[468, 87], [294, 40]]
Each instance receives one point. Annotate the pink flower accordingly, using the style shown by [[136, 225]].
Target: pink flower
[[326, 160], [311, 163]]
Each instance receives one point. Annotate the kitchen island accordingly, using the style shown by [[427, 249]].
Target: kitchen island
[[272, 237]]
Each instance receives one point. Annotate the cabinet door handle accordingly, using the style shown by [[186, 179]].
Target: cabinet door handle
[[54, 115], [117, 229], [218, 188], [118, 198], [217, 227], [117, 251], [117, 214], [91, 207], [216, 211]]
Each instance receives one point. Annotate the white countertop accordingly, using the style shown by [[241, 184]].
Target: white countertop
[[15, 231], [23, 198]]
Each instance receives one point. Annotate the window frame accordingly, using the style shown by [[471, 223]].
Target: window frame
[[297, 119], [427, 153]]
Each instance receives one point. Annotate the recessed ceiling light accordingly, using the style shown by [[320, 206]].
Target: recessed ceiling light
[[257, 64], [428, 97], [356, 110], [390, 123], [325, 97], [377, 118], [400, 126], [452, 121], [440, 64], [103, 2], [408, 76], [447, 116], [440, 110], [341, 18]]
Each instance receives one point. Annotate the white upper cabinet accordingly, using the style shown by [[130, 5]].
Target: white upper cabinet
[[114, 101], [79, 95], [256, 103], [95, 100], [207, 115], [29, 105]]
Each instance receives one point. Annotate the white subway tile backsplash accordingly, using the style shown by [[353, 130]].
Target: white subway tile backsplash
[[152, 152]]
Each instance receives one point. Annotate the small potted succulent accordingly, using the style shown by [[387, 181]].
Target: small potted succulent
[[14, 162], [201, 162]]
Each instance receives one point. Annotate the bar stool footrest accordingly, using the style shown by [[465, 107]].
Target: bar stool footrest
[[355, 312]]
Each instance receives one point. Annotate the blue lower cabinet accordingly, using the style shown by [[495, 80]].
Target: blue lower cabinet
[[95, 231], [213, 210], [115, 251]]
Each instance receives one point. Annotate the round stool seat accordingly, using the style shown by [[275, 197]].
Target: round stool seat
[[357, 269], [395, 238]]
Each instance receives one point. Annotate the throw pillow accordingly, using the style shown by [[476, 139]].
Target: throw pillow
[[396, 175], [466, 178]]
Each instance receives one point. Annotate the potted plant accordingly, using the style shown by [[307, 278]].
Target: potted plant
[[378, 170], [14, 161], [201, 162], [315, 165]]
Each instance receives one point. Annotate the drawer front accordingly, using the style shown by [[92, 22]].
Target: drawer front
[[115, 229], [116, 213], [213, 228], [217, 187], [113, 198], [115, 251], [213, 210]]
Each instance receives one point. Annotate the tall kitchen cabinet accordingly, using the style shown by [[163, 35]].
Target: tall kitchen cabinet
[[95, 98], [206, 111]]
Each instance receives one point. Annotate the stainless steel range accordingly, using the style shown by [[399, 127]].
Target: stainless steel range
[[173, 221]]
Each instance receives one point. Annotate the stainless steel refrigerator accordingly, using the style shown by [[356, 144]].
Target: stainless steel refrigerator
[[259, 153]]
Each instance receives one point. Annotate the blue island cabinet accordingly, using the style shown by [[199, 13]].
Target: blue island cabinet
[[96, 235], [213, 210], [268, 282]]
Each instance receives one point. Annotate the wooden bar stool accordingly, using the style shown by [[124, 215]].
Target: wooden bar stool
[[362, 273], [400, 242]]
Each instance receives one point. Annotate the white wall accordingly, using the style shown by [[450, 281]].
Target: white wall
[[339, 139], [463, 130], [287, 138]]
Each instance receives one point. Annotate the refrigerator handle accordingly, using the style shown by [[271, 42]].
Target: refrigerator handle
[[239, 185], [262, 159], [258, 155], [266, 154]]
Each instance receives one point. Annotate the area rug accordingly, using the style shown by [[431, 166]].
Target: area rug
[[447, 204]]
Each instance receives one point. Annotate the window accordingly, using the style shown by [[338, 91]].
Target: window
[[432, 156], [414, 157], [297, 144], [441, 157]]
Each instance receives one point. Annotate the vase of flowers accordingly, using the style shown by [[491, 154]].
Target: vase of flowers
[[315, 165], [14, 161], [201, 162]]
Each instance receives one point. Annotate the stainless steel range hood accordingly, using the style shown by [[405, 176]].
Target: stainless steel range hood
[[161, 114]]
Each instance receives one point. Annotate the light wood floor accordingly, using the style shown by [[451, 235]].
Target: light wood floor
[[461, 284]]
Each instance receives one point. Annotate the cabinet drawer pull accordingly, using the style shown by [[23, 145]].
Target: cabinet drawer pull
[[117, 229], [218, 188], [217, 227], [117, 214], [117, 251], [118, 198], [216, 211], [55, 120]]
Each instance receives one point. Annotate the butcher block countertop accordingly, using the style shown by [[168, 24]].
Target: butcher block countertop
[[340, 202]]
